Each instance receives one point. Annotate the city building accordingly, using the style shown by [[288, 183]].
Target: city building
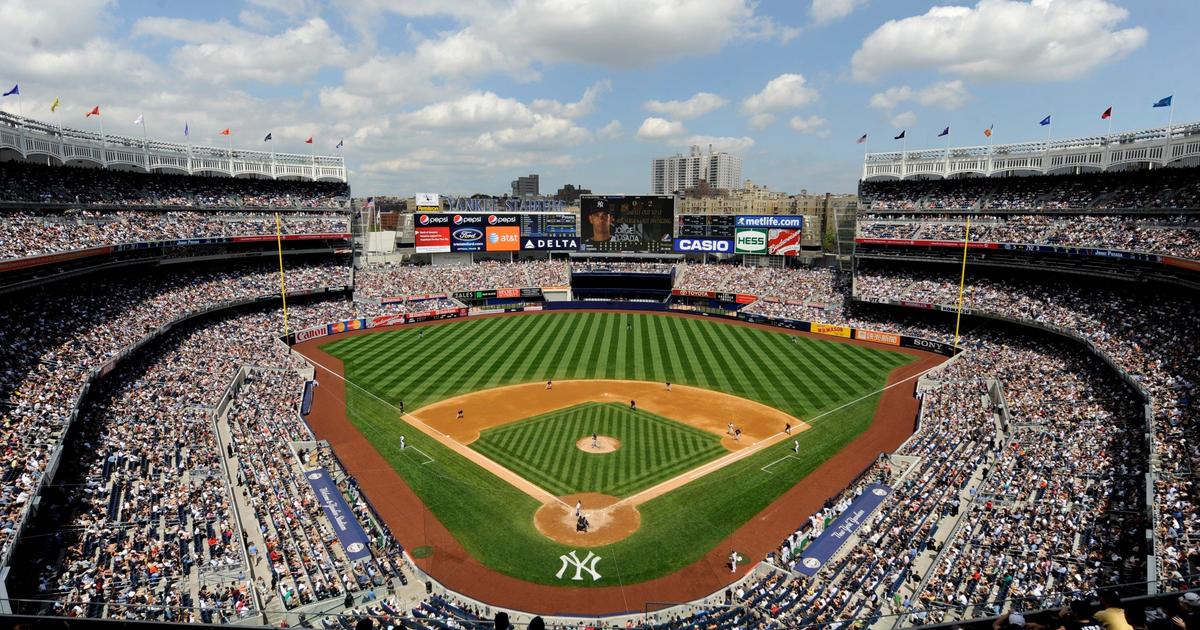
[[680, 172], [525, 187], [570, 193]]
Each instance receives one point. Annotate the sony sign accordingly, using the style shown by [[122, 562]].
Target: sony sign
[[704, 245]]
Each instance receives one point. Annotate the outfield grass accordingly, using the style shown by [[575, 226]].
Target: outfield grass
[[813, 379], [653, 449]]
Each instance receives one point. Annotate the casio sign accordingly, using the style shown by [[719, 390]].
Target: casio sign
[[703, 245], [467, 234]]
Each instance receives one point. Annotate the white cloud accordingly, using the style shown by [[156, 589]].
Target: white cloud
[[761, 121], [1038, 40], [698, 105], [474, 110], [219, 51], [786, 91], [813, 125], [826, 11], [611, 131], [719, 143], [584, 106], [945, 95], [655, 128], [903, 119]]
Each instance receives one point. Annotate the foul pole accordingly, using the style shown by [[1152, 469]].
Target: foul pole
[[962, 279], [282, 284]]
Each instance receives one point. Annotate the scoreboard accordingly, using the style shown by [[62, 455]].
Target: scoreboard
[[711, 225], [549, 225]]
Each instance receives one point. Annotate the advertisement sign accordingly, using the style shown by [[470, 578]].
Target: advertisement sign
[[750, 241], [347, 326], [783, 242], [830, 329], [555, 244], [551, 225], [428, 202], [703, 245], [466, 239], [431, 233], [502, 238], [841, 529], [311, 333], [890, 339], [626, 223], [772, 221], [508, 293], [943, 349], [349, 531], [379, 321], [693, 293], [922, 243], [532, 292]]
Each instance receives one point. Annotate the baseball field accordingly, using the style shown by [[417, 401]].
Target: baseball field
[[521, 448]]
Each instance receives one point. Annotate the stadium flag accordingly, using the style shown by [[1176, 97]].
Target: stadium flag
[[1163, 102], [1045, 122], [16, 90], [141, 120], [945, 132], [862, 139], [54, 105], [899, 137], [268, 138], [987, 133], [95, 112], [1107, 113], [185, 130], [340, 144], [225, 131], [309, 141]]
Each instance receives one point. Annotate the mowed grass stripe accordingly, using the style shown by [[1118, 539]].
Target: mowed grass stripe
[[652, 449]]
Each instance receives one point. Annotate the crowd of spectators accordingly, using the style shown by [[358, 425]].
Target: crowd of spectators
[[803, 293], [593, 266], [35, 233], [1162, 188], [389, 281], [37, 183], [68, 333], [1175, 235], [1148, 337]]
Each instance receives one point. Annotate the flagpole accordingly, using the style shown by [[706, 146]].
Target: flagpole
[[282, 284], [103, 142], [1170, 117], [62, 146]]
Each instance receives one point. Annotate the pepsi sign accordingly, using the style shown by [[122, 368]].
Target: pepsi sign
[[468, 219], [503, 219], [703, 245], [433, 219]]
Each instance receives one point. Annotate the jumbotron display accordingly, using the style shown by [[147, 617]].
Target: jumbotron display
[[621, 223]]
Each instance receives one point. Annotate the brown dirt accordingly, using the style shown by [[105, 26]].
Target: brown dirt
[[610, 520], [704, 409], [414, 525], [603, 444]]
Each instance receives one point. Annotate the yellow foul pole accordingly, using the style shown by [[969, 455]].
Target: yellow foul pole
[[962, 279], [282, 284]]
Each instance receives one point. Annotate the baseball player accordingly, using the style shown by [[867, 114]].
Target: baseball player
[[733, 558], [595, 440], [737, 434], [668, 385], [633, 405], [796, 446], [460, 414], [787, 428], [729, 428], [402, 442], [549, 384], [578, 508]]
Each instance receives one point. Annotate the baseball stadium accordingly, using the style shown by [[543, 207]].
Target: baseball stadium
[[248, 387]]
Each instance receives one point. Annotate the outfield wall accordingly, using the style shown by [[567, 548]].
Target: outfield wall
[[819, 328]]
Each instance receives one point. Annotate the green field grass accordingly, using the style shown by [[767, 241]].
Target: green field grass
[[653, 449], [830, 384]]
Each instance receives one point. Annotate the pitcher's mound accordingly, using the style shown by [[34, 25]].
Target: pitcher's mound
[[608, 522], [604, 444]]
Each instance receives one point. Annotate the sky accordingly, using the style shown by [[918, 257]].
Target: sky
[[463, 96]]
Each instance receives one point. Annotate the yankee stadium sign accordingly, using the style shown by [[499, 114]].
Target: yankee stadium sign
[[488, 204]]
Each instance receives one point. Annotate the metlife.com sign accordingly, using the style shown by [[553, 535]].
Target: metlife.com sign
[[772, 221]]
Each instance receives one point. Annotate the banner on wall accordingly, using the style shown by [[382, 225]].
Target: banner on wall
[[347, 528], [830, 329], [828, 542]]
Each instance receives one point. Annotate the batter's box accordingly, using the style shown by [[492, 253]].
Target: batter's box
[[428, 459], [764, 468]]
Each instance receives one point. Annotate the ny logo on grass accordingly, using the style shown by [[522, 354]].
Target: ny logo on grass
[[588, 563]]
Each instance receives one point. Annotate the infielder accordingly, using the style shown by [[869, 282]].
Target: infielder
[[401, 442]]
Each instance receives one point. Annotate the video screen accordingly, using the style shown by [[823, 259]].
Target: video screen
[[625, 223]]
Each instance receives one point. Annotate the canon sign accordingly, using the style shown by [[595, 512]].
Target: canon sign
[[704, 245]]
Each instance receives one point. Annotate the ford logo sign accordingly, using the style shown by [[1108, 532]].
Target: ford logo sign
[[468, 234]]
